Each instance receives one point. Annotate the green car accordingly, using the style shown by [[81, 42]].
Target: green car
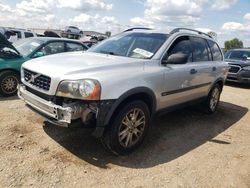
[[12, 56]]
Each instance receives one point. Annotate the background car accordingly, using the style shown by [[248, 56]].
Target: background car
[[239, 65], [12, 56], [73, 30], [18, 34]]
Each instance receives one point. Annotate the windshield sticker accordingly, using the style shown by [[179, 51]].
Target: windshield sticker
[[142, 52], [35, 44]]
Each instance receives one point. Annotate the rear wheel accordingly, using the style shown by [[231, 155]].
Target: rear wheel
[[128, 128], [213, 99], [8, 83]]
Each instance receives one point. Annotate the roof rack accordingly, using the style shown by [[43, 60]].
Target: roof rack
[[193, 30], [133, 28]]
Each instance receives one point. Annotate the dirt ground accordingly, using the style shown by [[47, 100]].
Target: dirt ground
[[185, 148]]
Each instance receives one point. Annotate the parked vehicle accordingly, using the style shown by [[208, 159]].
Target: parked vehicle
[[121, 83], [13, 55], [20, 34], [73, 30], [239, 63]]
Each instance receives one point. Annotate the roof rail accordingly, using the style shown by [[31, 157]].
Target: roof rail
[[193, 30], [133, 28]]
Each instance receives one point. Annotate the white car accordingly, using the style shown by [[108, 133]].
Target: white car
[[20, 34], [118, 85], [73, 30]]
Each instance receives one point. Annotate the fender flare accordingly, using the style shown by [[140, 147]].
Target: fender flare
[[126, 95]]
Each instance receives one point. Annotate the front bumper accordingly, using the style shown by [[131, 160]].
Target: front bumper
[[241, 77], [74, 113], [54, 113]]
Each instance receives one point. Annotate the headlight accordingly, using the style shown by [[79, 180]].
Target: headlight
[[80, 89], [246, 68]]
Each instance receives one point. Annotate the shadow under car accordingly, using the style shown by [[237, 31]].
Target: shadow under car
[[169, 137]]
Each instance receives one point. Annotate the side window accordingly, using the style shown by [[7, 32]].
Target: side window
[[200, 49], [181, 45], [70, 47], [217, 56], [53, 48], [27, 34], [18, 33]]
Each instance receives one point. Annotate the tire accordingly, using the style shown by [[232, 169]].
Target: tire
[[213, 99], [8, 83], [131, 135]]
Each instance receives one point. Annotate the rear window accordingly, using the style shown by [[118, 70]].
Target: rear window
[[216, 53]]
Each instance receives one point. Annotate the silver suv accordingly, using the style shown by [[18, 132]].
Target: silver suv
[[120, 84]]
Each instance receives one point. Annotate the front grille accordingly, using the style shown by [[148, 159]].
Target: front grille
[[234, 68], [54, 99], [36, 79]]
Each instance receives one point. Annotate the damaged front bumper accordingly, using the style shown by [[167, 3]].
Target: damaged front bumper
[[66, 114], [62, 116]]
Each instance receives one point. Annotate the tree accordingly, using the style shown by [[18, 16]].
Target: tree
[[212, 34], [108, 33], [234, 43]]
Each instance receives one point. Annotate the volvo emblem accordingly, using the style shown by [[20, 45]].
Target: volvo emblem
[[33, 77]]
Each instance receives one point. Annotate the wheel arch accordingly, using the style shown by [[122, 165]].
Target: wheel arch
[[12, 70], [140, 93], [220, 82]]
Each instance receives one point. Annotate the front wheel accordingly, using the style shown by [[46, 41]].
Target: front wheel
[[8, 83], [213, 99], [128, 128]]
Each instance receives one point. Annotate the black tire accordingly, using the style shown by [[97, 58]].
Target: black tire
[[213, 99], [115, 143], [8, 83]]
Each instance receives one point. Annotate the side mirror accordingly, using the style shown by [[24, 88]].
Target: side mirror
[[178, 58], [244, 58], [38, 54]]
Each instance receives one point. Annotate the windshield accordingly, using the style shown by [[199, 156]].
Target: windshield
[[135, 45], [238, 55], [27, 46]]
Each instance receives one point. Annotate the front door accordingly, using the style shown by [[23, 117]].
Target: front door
[[179, 79]]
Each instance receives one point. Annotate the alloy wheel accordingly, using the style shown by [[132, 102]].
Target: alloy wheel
[[215, 96], [132, 127], [9, 84]]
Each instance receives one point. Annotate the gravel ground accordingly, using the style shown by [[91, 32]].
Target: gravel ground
[[185, 148]]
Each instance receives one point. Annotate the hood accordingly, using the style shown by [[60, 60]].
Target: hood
[[5, 43], [76, 64], [237, 62]]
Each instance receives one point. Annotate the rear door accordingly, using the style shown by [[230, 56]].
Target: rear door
[[205, 68], [217, 58]]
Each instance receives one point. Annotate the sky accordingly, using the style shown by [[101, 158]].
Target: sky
[[228, 18]]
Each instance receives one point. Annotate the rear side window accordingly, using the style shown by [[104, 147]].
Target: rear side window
[[53, 48], [70, 46], [27, 34], [200, 49], [181, 45], [216, 53]]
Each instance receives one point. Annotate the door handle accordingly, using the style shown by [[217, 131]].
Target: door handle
[[214, 69], [193, 71]]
